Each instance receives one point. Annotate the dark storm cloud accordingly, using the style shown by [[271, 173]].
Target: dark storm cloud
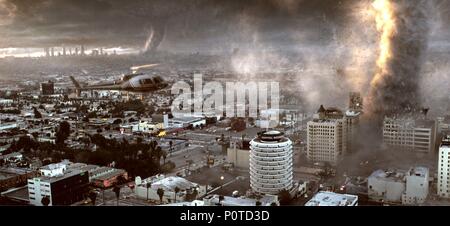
[[29, 23]]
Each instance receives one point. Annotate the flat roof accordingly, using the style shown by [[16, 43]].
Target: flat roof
[[67, 174], [332, 199], [419, 171], [17, 193], [9, 172], [390, 175], [169, 183]]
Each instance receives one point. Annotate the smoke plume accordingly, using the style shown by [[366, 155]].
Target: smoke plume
[[403, 27], [154, 39]]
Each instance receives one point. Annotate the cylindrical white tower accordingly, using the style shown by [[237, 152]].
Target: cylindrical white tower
[[271, 163]]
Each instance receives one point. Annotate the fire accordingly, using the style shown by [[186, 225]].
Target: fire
[[385, 21]]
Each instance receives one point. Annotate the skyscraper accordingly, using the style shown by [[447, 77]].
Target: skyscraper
[[271, 163]]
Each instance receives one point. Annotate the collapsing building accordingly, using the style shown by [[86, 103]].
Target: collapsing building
[[415, 134]]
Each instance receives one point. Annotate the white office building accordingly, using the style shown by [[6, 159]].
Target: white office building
[[443, 187], [60, 184], [271, 163], [327, 136]]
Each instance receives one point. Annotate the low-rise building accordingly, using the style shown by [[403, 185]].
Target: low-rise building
[[239, 154], [416, 191], [15, 177], [148, 189], [12, 157], [61, 185], [399, 186], [217, 200], [325, 198]]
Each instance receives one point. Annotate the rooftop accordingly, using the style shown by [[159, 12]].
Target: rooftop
[[169, 183], [419, 171], [243, 201], [67, 174], [391, 175], [271, 136], [332, 199]]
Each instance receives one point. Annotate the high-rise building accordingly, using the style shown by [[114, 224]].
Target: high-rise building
[[443, 186], [413, 134], [271, 163], [47, 88], [327, 136], [61, 185]]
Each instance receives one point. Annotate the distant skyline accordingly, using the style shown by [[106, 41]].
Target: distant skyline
[[39, 52]]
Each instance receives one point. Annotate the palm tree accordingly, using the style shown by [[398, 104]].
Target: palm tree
[[194, 194], [93, 196], [170, 146], [116, 190], [159, 154], [189, 162], [160, 192], [221, 198], [148, 185], [176, 190], [164, 156], [45, 200], [285, 197]]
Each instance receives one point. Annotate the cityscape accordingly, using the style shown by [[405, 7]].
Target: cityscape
[[225, 103]]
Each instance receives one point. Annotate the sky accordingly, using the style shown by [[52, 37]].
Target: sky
[[194, 25]]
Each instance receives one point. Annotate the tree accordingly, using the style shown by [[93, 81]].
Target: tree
[[37, 114], [164, 156], [176, 190], [93, 196], [45, 201], [238, 124], [284, 196], [116, 190], [121, 180], [63, 132], [148, 185], [117, 121], [221, 198], [160, 193]]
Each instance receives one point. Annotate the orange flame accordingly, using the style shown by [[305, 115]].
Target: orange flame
[[385, 20]]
